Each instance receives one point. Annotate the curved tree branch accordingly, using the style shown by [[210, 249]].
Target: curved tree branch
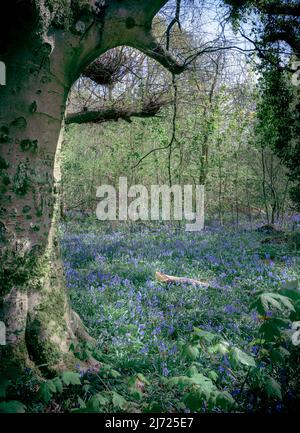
[[150, 46], [284, 33]]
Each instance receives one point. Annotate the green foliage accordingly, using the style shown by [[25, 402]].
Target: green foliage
[[278, 114], [56, 385], [237, 357], [273, 388], [12, 406], [95, 403], [70, 378], [268, 301], [226, 359], [191, 352]]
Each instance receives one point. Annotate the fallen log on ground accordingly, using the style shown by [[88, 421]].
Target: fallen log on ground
[[163, 278]]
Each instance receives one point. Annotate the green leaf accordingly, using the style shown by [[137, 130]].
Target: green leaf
[[96, 402], [81, 403], [193, 400], [273, 388], [213, 375], [192, 370], [205, 335], [58, 384], [70, 378], [136, 394], [45, 393], [114, 374], [204, 382], [51, 386], [224, 400], [190, 352], [279, 354], [86, 387], [268, 300], [142, 378], [204, 390], [180, 381], [153, 407], [4, 383], [12, 406], [118, 401], [293, 294], [237, 356], [272, 328], [222, 348]]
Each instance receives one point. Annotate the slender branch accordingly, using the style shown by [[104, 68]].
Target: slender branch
[[175, 20], [173, 136], [264, 55]]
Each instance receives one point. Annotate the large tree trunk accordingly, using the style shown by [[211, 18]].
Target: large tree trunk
[[44, 54], [34, 303]]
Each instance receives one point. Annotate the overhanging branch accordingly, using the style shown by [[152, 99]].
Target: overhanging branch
[[114, 114], [278, 8], [269, 8]]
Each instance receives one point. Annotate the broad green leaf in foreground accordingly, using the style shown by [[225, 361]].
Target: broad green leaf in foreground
[[71, 378], [12, 406], [273, 388], [237, 356], [267, 301]]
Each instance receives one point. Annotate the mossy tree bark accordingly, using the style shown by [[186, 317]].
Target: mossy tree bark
[[45, 52]]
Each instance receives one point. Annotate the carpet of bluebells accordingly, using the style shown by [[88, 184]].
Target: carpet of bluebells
[[145, 329]]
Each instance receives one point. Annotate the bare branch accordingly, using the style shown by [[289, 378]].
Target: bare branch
[[173, 135], [263, 54], [175, 20]]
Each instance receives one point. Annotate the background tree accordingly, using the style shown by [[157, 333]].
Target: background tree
[[275, 36]]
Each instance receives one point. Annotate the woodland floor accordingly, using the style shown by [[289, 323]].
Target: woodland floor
[[145, 329]]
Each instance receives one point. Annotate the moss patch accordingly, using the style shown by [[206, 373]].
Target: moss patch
[[27, 144], [40, 348]]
